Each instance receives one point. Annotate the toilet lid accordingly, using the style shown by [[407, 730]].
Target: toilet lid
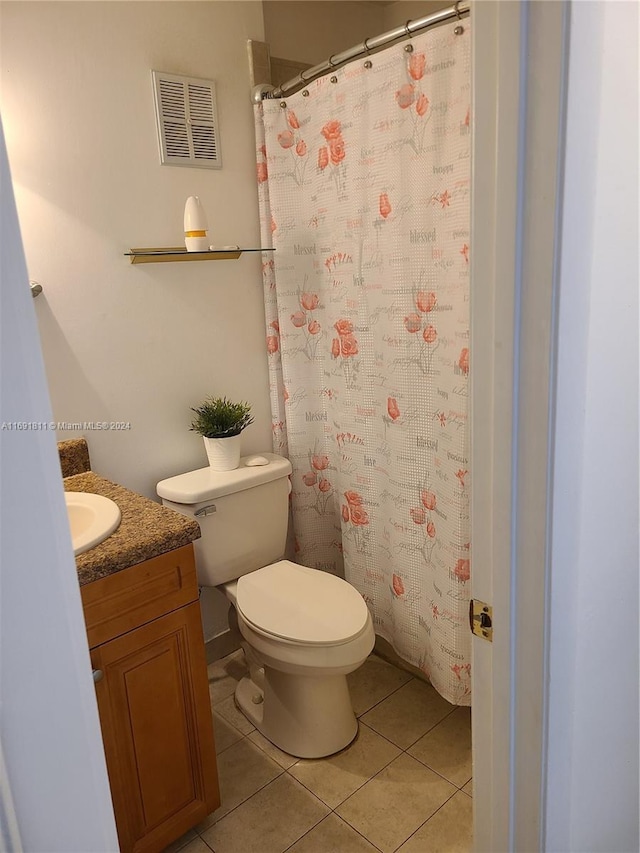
[[301, 604]]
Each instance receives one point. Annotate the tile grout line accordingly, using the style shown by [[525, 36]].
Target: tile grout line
[[332, 810], [246, 800], [426, 821], [366, 781], [384, 698]]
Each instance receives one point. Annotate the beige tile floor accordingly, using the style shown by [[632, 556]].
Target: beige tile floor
[[403, 785]]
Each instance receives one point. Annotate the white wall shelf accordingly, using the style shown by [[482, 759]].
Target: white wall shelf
[[179, 253]]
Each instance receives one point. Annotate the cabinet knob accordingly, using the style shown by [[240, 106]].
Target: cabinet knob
[[98, 675]]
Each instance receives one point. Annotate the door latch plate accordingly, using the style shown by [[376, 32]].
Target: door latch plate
[[481, 619]]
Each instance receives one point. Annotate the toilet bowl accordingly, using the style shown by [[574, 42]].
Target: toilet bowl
[[303, 630]]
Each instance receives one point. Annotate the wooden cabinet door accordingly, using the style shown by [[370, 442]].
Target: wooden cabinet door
[[155, 714]]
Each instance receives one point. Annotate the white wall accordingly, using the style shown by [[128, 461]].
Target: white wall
[[134, 343], [49, 729], [311, 30], [139, 344], [398, 13], [592, 773]]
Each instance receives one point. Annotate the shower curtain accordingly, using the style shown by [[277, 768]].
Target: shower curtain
[[364, 195]]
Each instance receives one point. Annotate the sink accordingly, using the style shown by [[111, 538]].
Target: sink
[[92, 518]]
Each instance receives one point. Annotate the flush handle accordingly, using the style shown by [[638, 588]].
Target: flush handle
[[205, 510]]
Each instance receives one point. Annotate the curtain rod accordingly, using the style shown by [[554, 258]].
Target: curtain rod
[[369, 45]]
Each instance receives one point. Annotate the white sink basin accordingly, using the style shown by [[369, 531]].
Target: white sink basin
[[92, 518]]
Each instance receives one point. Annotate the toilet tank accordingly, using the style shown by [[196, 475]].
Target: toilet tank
[[243, 515]]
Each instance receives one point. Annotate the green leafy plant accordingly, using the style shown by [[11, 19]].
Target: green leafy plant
[[218, 417]]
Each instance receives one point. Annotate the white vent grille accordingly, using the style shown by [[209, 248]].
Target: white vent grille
[[187, 121]]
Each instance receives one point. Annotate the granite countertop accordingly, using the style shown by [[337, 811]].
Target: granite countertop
[[146, 530]]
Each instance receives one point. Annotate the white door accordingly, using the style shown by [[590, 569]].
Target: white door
[[54, 791], [554, 371], [518, 74]]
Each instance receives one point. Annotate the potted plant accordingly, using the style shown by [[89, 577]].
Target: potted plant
[[220, 422]]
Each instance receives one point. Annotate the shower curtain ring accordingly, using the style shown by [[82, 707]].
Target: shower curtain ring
[[366, 46], [459, 29], [408, 48]]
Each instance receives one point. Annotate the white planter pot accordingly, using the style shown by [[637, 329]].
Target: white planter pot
[[223, 453]]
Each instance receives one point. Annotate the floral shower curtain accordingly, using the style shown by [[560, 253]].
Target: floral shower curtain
[[364, 194]]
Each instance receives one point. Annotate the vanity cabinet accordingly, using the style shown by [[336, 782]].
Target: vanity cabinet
[[148, 657]]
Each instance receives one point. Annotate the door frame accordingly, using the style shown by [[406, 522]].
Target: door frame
[[519, 56]]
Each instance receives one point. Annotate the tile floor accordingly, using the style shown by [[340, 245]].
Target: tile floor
[[403, 785]]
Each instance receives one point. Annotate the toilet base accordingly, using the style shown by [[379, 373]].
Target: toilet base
[[309, 717]]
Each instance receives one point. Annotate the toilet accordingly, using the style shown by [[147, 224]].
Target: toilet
[[304, 630]]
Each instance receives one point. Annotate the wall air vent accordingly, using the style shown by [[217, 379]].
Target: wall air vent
[[187, 121]]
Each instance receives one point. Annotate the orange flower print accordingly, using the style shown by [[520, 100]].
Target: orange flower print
[[353, 498], [324, 485], [416, 65], [467, 117], [348, 346], [323, 157], [262, 172], [425, 302], [331, 130], [335, 347], [460, 474], [418, 515], [358, 516], [464, 251], [457, 668], [272, 344], [310, 478], [301, 148], [286, 139], [343, 327], [285, 394], [463, 361], [422, 105], [319, 462], [299, 319], [275, 325], [428, 499], [313, 327], [413, 323], [398, 586], [336, 151], [405, 96], [392, 408], [345, 513], [463, 570], [293, 120], [443, 198], [273, 226], [309, 301], [429, 334], [385, 205], [431, 529]]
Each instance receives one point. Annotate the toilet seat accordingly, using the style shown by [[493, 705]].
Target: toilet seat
[[301, 605]]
